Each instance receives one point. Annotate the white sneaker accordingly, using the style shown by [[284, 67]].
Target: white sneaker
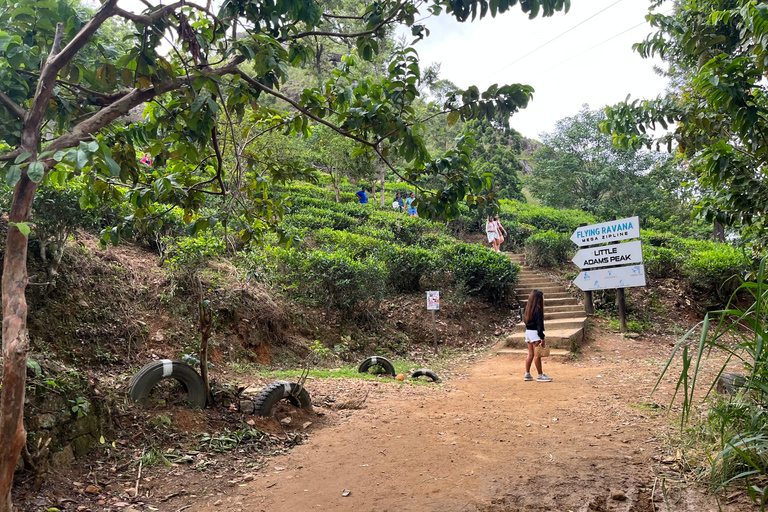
[[543, 378], [528, 377]]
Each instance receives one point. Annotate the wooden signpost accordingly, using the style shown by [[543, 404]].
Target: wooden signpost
[[433, 304], [604, 265]]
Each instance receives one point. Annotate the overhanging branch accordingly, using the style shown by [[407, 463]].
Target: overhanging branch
[[13, 107]]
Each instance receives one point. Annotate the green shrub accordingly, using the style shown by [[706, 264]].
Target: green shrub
[[517, 234], [434, 241], [406, 265], [311, 217], [331, 278], [406, 230], [716, 269], [359, 246], [185, 255], [548, 249], [381, 234], [661, 262], [543, 218], [480, 270]]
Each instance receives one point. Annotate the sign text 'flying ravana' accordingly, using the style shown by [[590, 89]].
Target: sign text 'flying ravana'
[[611, 231]]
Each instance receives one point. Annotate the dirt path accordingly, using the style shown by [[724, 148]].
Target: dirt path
[[488, 442]]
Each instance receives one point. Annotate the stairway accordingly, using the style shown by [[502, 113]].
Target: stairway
[[564, 318]]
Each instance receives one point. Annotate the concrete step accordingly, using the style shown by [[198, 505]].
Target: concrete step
[[558, 324], [553, 315], [547, 295], [568, 339], [567, 308], [550, 288], [554, 302], [538, 284], [555, 352]]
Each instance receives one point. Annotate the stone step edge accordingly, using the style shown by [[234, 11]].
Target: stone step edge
[[553, 352]]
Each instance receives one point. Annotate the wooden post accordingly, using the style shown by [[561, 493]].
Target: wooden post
[[621, 303], [622, 309], [434, 330], [589, 306]]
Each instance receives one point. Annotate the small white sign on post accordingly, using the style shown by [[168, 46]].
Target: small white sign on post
[[621, 277], [611, 231], [630, 253], [433, 301]]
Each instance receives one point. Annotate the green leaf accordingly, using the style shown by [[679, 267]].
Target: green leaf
[[22, 158], [453, 118], [24, 227], [114, 168], [36, 172], [13, 176]]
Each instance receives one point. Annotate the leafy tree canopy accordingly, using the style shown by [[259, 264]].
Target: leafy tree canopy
[[579, 167], [716, 110]]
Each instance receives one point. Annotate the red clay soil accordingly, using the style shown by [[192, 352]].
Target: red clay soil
[[590, 441]]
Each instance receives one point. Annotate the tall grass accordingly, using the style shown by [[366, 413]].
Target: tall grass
[[735, 430]]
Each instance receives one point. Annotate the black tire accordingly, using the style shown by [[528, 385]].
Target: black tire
[[269, 397], [389, 368], [147, 378], [426, 373], [729, 382]]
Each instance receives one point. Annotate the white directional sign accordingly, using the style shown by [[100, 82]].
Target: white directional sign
[[622, 277], [611, 231], [630, 253]]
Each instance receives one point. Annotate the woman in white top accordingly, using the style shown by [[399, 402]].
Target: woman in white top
[[493, 233]]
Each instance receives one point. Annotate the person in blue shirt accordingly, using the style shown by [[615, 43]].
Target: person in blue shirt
[[361, 195], [409, 203], [399, 201]]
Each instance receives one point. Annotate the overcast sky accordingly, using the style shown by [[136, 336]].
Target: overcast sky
[[592, 63]]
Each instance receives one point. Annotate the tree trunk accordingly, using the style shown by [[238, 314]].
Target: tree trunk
[[383, 179], [373, 191], [15, 341], [206, 322], [718, 233], [335, 180]]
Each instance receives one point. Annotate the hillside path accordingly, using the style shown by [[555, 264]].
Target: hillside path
[[489, 442]]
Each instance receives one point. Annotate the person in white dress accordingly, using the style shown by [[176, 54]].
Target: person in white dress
[[492, 231]]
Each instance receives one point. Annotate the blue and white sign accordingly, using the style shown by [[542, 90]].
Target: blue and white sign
[[608, 279], [611, 231], [630, 253]]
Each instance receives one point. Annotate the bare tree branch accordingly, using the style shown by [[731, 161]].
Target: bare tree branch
[[56, 61], [347, 36], [13, 107]]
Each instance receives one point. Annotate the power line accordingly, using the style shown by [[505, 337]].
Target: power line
[[598, 44], [558, 36]]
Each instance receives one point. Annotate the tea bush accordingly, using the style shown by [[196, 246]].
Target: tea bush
[[548, 249], [406, 230], [544, 218], [405, 265], [717, 269], [661, 262], [332, 278], [480, 270]]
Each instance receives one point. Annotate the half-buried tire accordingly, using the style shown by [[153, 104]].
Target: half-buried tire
[[389, 368], [270, 396], [147, 378], [425, 373]]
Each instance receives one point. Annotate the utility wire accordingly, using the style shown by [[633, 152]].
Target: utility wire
[[558, 36], [598, 44]]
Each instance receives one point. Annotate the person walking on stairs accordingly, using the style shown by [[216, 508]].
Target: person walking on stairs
[[534, 334], [493, 233]]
